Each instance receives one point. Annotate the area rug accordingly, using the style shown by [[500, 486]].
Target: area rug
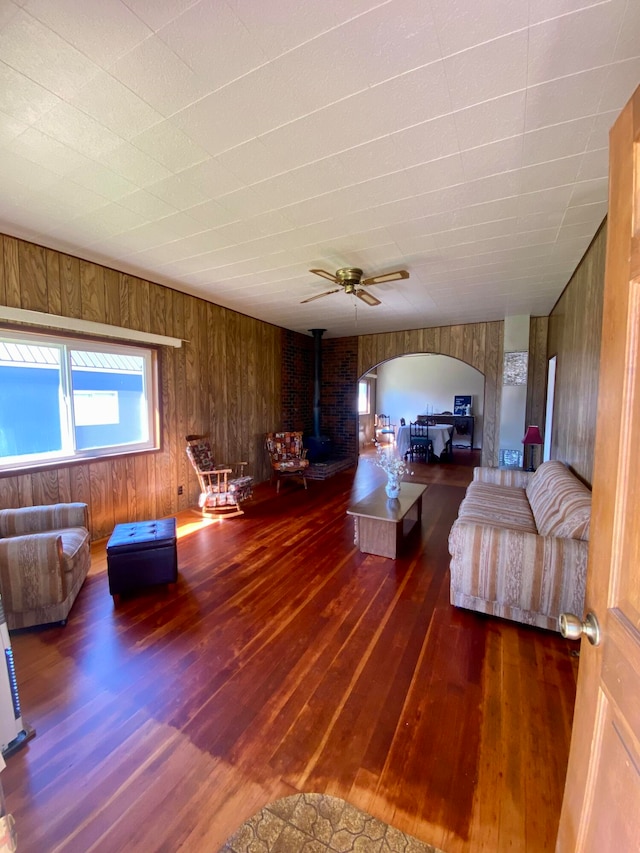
[[317, 823]]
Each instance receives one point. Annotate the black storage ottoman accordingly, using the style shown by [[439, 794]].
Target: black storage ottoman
[[142, 553]]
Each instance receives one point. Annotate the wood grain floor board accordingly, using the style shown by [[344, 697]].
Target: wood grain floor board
[[284, 660]]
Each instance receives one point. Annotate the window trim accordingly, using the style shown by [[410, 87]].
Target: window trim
[[66, 341]]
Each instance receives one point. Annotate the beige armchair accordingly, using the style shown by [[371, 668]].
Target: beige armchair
[[44, 559]]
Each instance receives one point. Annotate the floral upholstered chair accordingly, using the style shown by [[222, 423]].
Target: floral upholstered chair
[[288, 457], [222, 487]]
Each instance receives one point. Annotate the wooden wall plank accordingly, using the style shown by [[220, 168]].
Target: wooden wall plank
[[92, 294], [11, 273], [33, 276], [574, 334], [70, 294], [112, 297], [3, 291], [54, 295], [45, 488]]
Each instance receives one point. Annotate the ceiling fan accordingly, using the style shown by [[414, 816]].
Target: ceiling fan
[[351, 281]]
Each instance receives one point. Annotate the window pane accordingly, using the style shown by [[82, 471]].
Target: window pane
[[109, 399], [30, 394], [363, 398]]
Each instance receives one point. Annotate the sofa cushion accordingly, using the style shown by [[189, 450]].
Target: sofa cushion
[[560, 503], [492, 504]]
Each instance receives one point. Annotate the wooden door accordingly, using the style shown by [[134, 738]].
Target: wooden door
[[601, 806]]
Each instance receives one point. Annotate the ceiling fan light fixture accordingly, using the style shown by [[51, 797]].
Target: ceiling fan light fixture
[[350, 279]]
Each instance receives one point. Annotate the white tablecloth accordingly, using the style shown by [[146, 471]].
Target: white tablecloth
[[439, 435]]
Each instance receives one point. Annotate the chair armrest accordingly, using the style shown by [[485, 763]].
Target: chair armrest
[[31, 571], [513, 477]]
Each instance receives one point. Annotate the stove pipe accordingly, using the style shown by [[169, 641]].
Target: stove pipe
[[317, 378]]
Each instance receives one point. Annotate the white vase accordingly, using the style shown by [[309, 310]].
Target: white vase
[[392, 487]]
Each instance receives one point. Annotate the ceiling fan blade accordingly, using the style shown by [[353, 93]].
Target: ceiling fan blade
[[367, 297], [387, 276], [320, 295], [325, 274]]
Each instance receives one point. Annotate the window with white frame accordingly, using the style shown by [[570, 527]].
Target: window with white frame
[[64, 398], [364, 405]]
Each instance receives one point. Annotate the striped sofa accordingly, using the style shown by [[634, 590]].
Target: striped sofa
[[44, 559], [519, 545]]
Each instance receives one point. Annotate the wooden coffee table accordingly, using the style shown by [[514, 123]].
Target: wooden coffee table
[[382, 524]]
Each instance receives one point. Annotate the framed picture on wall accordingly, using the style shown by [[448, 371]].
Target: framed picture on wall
[[462, 404]]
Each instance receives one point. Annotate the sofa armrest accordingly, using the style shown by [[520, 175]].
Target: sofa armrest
[[513, 477], [37, 519], [517, 572], [31, 571]]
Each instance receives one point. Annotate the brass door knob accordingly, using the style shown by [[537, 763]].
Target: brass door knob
[[572, 627]]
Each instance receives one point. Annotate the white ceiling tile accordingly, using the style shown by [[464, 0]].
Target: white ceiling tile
[[21, 97], [134, 165], [620, 83], [77, 130], [559, 140], [435, 175], [169, 146], [544, 201], [211, 214], [502, 156], [571, 43], [40, 54], [544, 10], [103, 31], [102, 222], [593, 213], [157, 13], [115, 106], [602, 125], [555, 173], [50, 153], [214, 42], [565, 99], [212, 177], [429, 140], [487, 71], [147, 205], [379, 157], [10, 127], [388, 45], [156, 75], [500, 118], [594, 164], [306, 181], [628, 45], [281, 26], [181, 191], [462, 25], [101, 180], [589, 191]]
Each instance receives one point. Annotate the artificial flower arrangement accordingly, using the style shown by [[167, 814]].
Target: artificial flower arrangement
[[395, 468]]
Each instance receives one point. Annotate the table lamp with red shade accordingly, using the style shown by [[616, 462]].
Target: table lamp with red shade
[[531, 438]]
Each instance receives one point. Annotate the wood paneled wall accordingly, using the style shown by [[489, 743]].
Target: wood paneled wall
[[575, 327], [224, 380], [477, 344], [537, 374]]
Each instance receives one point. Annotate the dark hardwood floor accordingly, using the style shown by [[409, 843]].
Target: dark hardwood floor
[[286, 661]]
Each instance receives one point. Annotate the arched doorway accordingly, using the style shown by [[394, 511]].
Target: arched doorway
[[477, 344], [417, 384]]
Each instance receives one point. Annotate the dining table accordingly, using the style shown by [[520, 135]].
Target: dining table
[[439, 434]]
